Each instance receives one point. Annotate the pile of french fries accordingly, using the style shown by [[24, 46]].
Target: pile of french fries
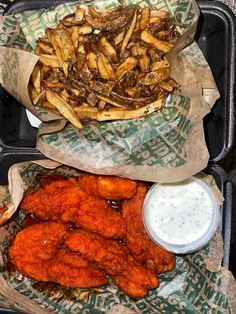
[[105, 65]]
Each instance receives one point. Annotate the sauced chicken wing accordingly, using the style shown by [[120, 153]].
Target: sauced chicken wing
[[36, 253], [72, 270], [34, 246], [141, 246], [107, 187], [63, 200], [115, 259]]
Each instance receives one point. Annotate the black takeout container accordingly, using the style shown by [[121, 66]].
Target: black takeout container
[[216, 38]]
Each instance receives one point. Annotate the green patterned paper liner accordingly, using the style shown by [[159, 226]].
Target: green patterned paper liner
[[145, 148], [189, 288]]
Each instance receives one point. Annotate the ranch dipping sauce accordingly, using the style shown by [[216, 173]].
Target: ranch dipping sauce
[[181, 217]]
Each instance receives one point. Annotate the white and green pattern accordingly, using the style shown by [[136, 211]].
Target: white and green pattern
[[189, 288]]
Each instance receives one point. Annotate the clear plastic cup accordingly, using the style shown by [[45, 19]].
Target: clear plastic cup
[[181, 217]]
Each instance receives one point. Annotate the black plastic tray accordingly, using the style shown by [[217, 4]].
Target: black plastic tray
[[215, 36], [222, 179]]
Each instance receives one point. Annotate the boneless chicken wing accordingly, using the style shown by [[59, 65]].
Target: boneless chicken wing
[[131, 277], [107, 187], [34, 246], [63, 200], [141, 246], [72, 270], [36, 252]]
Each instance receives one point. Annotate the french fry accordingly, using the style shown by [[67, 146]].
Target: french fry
[[159, 65], [109, 101], [126, 66], [156, 43], [144, 63], [107, 49], [104, 65], [91, 60], [154, 19], [47, 105], [109, 87], [64, 94], [57, 45], [118, 39], [144, 18], [116, 114], [32, 93], [75, 36], [105, 69], [36, 78], [168, 85], [132, 91], [64, 108], [53, 84], [86, 112], [128, 34], [67, 48], [81, 48], [95, 13], [49, 60], [45, 47], [38, 98], [156, 77]]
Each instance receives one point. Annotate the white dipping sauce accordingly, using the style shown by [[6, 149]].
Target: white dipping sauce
[[180, 213]]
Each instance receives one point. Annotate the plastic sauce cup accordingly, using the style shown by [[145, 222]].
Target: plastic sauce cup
[[181, 217]]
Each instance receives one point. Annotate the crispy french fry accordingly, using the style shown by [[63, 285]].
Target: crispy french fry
[[86, 112], [94, 13], [81, 48], [110, 58], [104, 67], [64, 94], [107, 49], [57, 45], [144, 63], [156, 43], [64, 108], [67, 46], [144, 18], [49, 60], [118, 39], [38, 98], [132, 91], [168, 85], [117, 114], [35, 77], [32, 93], [53, 84], [75, 36], [156, 77], [126, 66], [47, 105], [45, 47], [154, 19], [91, 60], [109, 87], [159, 65], [109, 101], [128, 34]]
